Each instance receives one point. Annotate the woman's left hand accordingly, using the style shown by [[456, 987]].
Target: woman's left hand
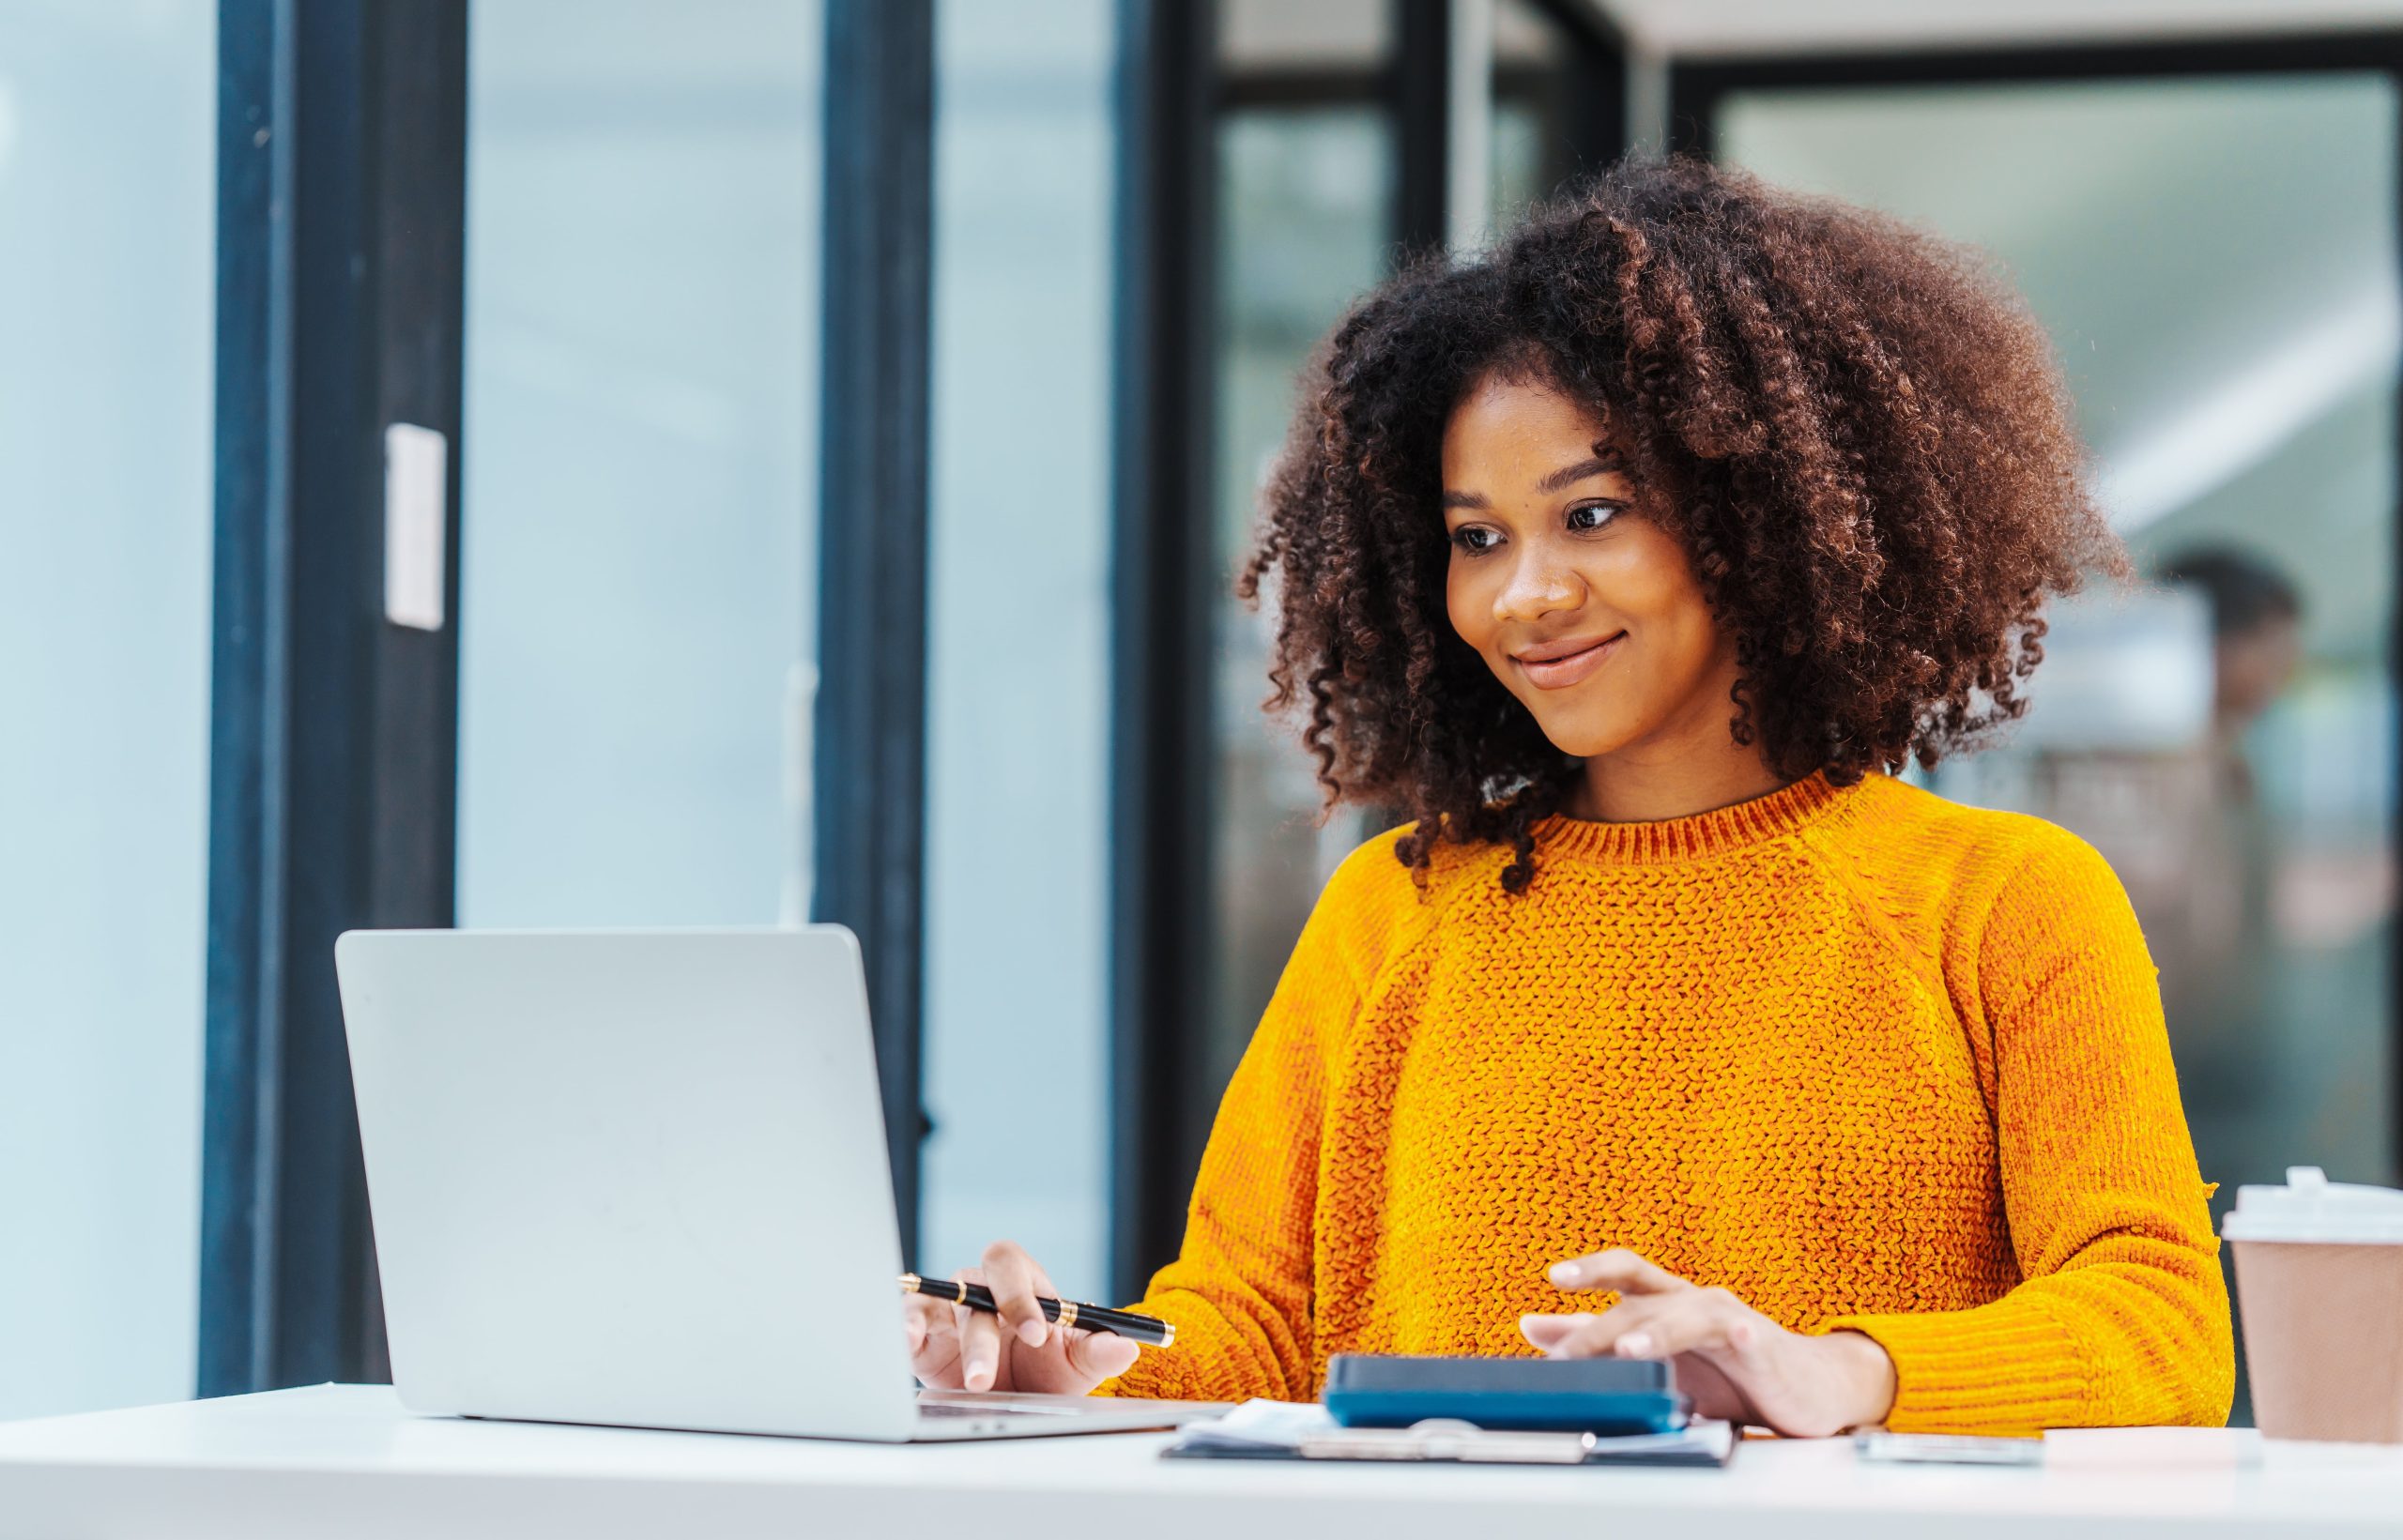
[[1731, 1361]]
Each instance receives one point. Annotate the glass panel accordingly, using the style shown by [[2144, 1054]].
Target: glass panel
[[1307, 198], [2216, 262], [108, 129], [1534, 79], [1018, 635], [640, 480]]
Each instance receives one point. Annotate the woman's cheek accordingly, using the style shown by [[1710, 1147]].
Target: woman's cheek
[[1471, 621]]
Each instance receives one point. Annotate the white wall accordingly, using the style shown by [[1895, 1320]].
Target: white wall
[[108, 120]]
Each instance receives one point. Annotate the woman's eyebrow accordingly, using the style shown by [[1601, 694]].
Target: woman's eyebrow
[[1603, 464]]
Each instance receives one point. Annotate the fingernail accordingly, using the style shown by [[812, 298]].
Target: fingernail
[[1635, 1345], [979, 1375], [1565, 1274], [1031, 1332]]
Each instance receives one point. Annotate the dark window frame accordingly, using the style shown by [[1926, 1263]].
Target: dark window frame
[[869, 736], [1416, 89], [342, 140], [1596, 136], [1164, 569], [1697, 87]]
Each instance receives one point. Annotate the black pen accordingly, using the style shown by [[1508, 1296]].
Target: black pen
[[1090, 1318]]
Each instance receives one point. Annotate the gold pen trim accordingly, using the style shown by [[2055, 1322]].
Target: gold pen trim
[[1067, 1313]]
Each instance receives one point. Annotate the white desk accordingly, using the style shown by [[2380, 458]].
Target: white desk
[[345, 1460]]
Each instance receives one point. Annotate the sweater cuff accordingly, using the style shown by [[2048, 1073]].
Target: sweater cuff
[[2008, 1367], [1181, 1373]]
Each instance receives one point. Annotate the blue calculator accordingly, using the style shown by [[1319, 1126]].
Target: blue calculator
[[1608, 1397]]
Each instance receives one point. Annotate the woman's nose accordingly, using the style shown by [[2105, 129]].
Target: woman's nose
[[1538, 588]]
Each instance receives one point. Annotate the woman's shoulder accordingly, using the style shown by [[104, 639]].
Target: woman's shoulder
[[1374, 903], [1994, 834], [1377, 880], [1373, 886], [1991, 861]]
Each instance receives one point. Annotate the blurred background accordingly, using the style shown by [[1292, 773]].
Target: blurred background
[[849, 415]]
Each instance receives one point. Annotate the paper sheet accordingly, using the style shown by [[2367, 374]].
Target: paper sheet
[[1290, 1428]]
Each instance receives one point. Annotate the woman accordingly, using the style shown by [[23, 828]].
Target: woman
[[1635, 559]]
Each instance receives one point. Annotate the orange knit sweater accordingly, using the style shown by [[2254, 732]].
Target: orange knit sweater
[[1866, 1058]]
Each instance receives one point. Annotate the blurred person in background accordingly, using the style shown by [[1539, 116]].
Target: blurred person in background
[[2257, 644], [2206, 911]]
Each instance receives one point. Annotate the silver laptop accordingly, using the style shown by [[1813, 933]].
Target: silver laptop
[[639, 1177]]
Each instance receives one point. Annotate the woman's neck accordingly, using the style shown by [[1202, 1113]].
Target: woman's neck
[[1645, 786]]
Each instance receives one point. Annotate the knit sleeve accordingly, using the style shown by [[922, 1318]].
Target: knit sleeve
[[2121, 1316], [1240, 1292]]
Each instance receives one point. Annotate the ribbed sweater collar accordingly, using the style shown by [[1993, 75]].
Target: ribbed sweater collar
[[1807, 802]]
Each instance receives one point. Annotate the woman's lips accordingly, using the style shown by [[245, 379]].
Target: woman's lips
[[1572, 668]]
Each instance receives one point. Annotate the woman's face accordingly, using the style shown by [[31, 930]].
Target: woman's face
[[1585, 611]]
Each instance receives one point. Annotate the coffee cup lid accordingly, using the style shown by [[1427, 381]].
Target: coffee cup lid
[[2312, 1208]]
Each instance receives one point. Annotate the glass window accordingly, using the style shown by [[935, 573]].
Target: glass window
[[638, 527], [1016, 1045], [1533, 143], [1306, 198], [108, 129], [2215, 261]]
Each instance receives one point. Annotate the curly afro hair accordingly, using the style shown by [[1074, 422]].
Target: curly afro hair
[[1858, 434]]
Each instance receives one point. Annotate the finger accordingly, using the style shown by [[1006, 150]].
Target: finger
[[934, 1345], [1561, 1336], [1010, 1274], [1617, 1268], [926, 1313], [939, 1363], [1694, 1320], [1594, 1334], [1718, 1322], [980, 1340], [1096, 1356]]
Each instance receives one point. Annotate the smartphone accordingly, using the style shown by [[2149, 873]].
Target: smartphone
[[1876, 1443], [1608, 1397]]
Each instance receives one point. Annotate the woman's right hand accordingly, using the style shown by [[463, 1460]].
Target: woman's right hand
[[954, 1348]]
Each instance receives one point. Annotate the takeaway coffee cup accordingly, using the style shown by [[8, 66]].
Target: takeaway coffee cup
[[2319, 1280]]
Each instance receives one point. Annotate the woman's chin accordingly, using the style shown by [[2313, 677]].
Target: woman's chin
[[1582, 738]]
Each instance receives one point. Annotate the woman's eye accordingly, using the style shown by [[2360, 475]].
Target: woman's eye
[[1474, 539], [1590, 516]]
